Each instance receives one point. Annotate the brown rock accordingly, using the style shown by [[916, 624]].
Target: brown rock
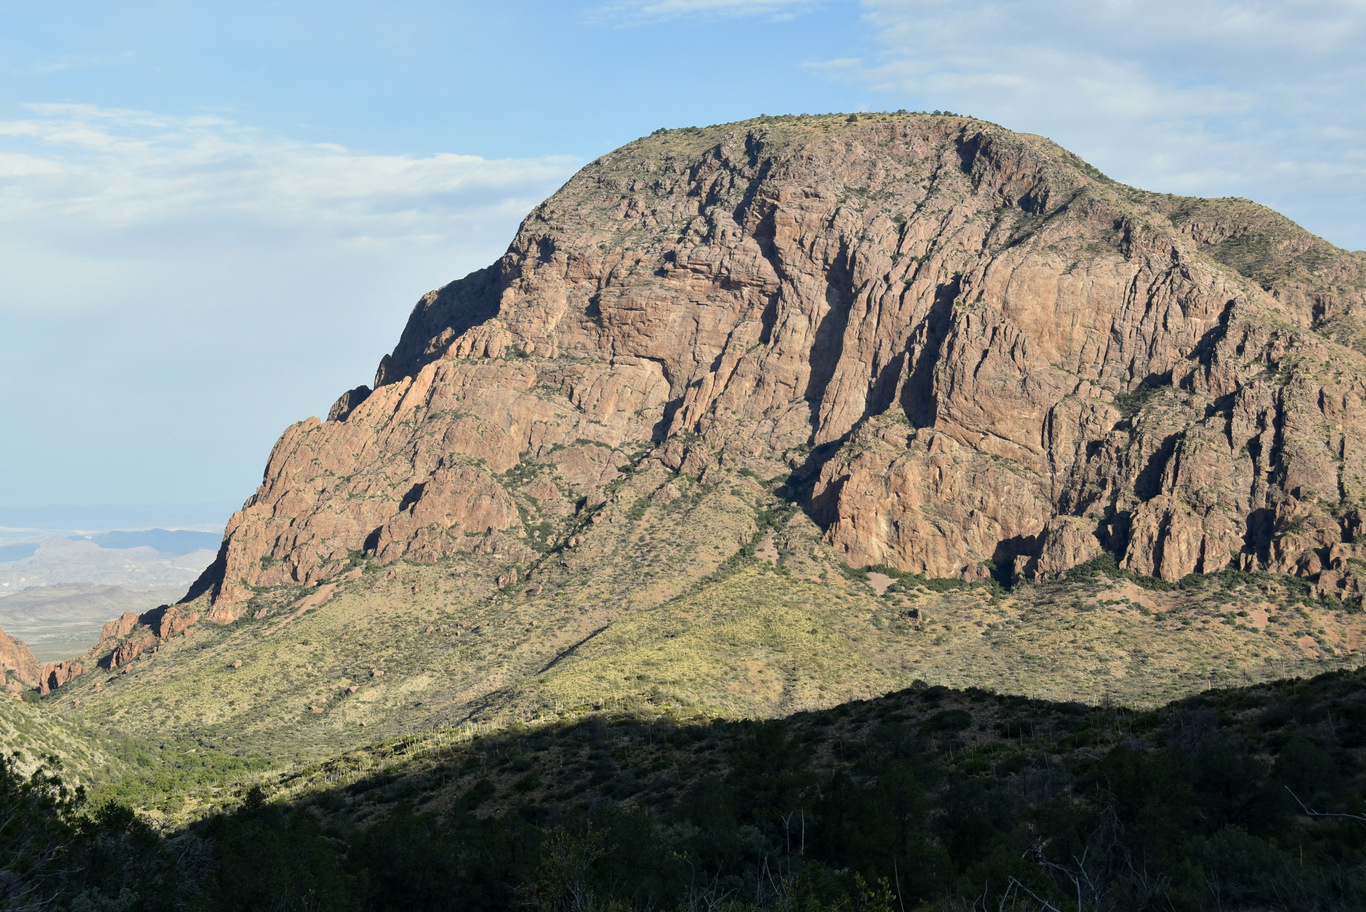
[[169, 620], [55, 674], [968, 347], [120, 627], [1170, 540], [17, 658], [130, 649], [1067, 542]]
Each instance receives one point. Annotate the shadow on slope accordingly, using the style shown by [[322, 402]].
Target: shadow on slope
[[928, 798]]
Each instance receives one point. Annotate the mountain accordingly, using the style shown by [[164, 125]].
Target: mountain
[[920, 434], [766, 417], [958, 347], [177, 542]]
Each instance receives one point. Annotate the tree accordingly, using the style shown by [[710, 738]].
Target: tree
[[34, 834]]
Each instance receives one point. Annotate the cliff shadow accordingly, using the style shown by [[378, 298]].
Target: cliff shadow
[[917, 395]]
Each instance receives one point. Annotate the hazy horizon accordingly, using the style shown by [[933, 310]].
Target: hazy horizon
[[60, 519]]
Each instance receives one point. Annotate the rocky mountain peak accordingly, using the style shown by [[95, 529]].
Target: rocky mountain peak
[[962, 350]]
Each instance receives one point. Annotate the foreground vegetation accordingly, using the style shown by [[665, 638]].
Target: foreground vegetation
[[586, 730], [1250, 798]]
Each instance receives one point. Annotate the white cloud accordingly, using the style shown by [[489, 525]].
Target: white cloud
[[67, 62], [175, 290], [1218, 98], [76, 173]]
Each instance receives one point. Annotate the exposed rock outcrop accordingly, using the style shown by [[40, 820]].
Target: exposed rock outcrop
[[55, 674], [17, 659], [121, 641], [972, 352], [120, 627]]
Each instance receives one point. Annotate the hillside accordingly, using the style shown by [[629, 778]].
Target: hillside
[[659, 615], [764, 417], [36, 735], [1249, 798]]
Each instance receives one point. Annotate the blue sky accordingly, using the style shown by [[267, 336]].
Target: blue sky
[[216, 217]]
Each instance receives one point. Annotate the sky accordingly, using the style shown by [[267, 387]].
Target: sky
[[214, 218]]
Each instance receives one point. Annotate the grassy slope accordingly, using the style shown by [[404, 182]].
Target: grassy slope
[[994, 736], [941, 795], [683, 600], [36, 733]]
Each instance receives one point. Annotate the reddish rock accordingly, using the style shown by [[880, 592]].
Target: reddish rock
[[130, 649], [1067, 542], [17, 658], [169, 620], [120, 627], [55, 674], [971, 349]]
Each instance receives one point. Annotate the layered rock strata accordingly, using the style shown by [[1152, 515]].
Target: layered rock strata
[[962, 349]]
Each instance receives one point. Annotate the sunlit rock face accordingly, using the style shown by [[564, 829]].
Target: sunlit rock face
[[962, 349], [16, 662]]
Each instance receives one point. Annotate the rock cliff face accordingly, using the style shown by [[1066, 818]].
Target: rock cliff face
[[963, 350], [16, 660], [55, 674]]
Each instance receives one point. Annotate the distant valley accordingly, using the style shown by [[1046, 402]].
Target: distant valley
[[61, 621], [57, 591]]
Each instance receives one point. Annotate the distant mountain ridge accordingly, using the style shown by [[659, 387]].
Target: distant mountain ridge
[[58, 592], [18, 551], [60, 621], [177, 542], [59, 559]]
